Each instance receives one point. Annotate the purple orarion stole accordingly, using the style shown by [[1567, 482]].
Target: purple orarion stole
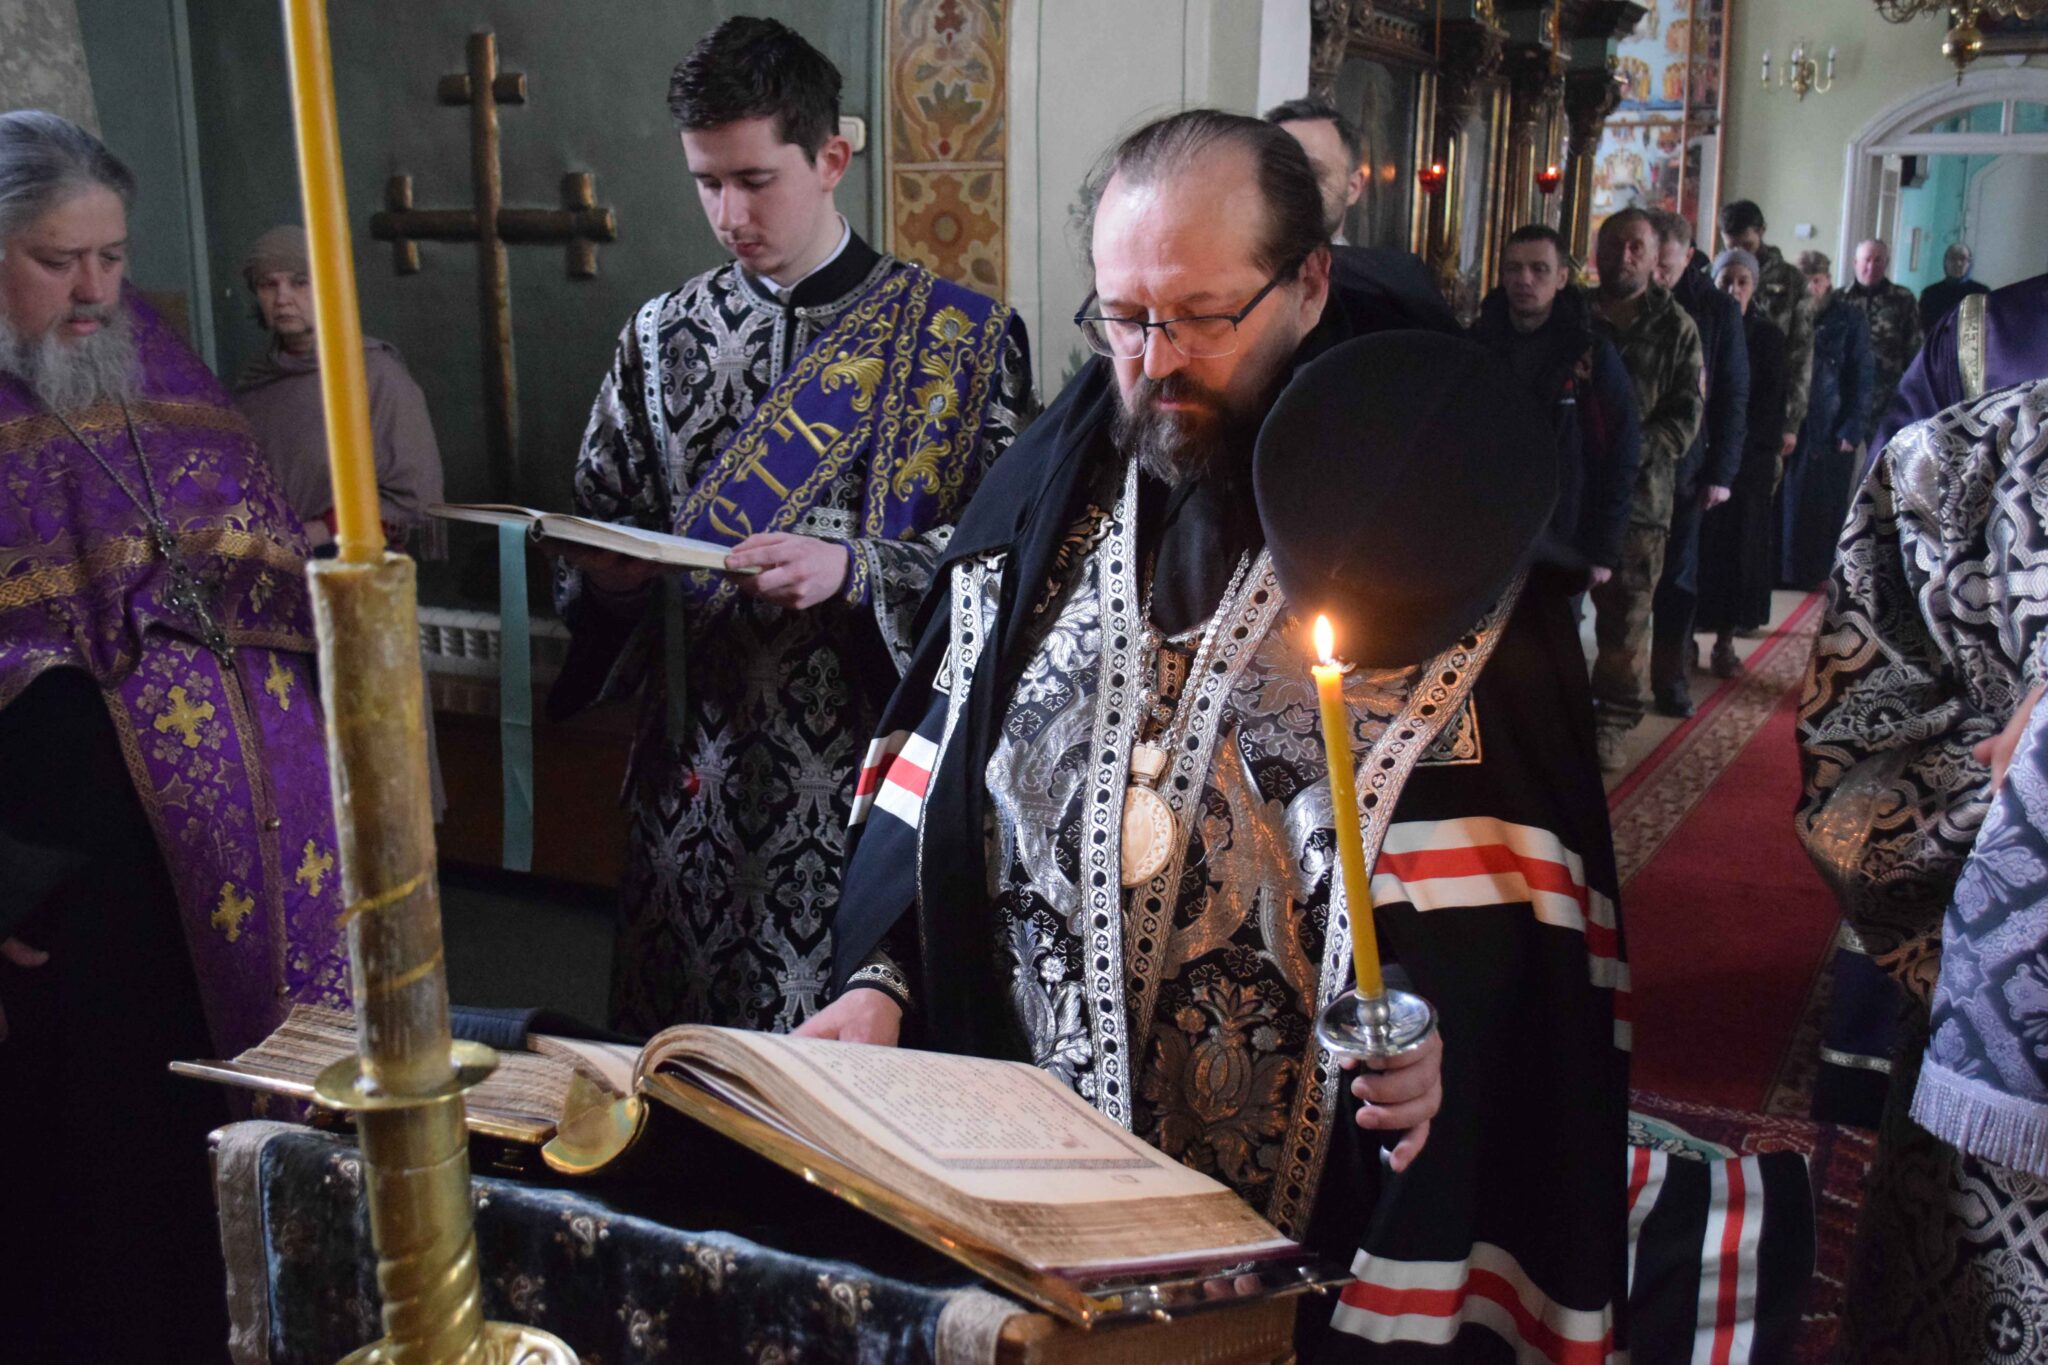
[[230, 762]]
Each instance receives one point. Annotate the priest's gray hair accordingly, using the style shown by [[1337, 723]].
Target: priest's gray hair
[[1176, 144], [44, 160]]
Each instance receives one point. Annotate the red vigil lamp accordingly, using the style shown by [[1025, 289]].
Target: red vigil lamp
[[1548, 179], [1431, 177]]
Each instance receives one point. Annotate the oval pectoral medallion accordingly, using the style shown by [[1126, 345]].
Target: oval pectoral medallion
[[1147, 835]]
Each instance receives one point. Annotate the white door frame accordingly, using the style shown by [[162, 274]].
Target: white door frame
[[1896, 131]]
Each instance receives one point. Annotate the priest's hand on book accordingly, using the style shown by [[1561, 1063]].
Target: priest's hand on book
[[796, 571], [1403, 1093], [861, 1015], [20, 954]]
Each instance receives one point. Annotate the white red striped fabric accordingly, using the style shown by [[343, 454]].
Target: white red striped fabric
[[1449, 864], [1645, 1183], [894, 776], [1430, 1302], [1726, 1330]]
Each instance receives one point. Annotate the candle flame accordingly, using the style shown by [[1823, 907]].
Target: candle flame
[[1324, 638]]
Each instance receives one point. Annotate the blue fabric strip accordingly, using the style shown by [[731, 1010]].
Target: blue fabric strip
[[515, 696]]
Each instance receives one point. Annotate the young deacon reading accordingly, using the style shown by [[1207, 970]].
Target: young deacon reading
[[827, 410]]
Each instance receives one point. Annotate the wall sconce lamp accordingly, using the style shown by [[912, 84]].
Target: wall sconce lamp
[[1803, 72]]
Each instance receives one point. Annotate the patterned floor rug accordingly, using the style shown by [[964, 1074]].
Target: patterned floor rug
[[1728, 924]]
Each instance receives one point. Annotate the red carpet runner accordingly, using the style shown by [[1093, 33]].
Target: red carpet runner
[[1727, 921]]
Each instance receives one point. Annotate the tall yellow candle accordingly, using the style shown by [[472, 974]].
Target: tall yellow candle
[[359, 529], [1365, 948]]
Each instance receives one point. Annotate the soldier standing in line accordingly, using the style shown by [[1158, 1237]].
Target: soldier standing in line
[[1660, 349], [1894, 317]]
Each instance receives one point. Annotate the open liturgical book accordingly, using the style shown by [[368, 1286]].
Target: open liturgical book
[[996, 1164], [676, 551]]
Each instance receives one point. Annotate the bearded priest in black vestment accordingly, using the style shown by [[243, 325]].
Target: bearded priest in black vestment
[[826, 409], [1127, 605]]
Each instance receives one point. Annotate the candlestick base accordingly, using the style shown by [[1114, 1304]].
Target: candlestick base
[[1376, 1028]]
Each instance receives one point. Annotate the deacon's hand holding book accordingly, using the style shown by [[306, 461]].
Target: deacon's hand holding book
[[789, 570], [1406, 1095], [793, 571]]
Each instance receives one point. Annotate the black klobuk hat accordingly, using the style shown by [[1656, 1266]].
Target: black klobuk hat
[[1403, 479]]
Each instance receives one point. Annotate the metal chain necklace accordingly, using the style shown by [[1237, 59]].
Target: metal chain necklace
[[187, 594], [1150, 830]]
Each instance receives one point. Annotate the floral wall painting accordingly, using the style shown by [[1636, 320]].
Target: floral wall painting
[[945, 143]]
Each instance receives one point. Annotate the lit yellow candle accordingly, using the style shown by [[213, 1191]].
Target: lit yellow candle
[[1365, 949], [343, 389]]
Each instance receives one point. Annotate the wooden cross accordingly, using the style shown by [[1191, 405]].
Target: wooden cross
[[580, 224]]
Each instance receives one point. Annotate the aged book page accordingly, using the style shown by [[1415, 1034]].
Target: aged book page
[[1001, 1147], [522, 1099]]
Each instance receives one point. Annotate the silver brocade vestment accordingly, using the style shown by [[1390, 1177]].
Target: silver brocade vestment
[[1934, 634], [736, 839], [1182, 1008]]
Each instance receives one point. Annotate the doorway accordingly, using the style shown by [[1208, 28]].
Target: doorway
[[1952, 164]]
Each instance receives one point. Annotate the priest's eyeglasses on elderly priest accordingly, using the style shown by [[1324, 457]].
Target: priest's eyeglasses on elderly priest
[[1202, 337]]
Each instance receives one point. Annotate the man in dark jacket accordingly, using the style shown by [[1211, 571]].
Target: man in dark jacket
[[1539, 327], [1375, 287], [1821, 476], [1939, 299], [1708, 470]]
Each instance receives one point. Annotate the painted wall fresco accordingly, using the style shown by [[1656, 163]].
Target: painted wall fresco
[[1671, 64], [946, 138]]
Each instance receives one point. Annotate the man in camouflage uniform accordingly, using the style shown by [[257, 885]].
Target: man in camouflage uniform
[[1660, 349], [1894, 317], [1783, 298]]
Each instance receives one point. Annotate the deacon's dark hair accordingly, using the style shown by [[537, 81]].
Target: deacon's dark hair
[[1542, 232], [44, 160], [1321, 111], [757, 68], [1173, 145], [1671, 227], [1627, 218], [1740, 216]]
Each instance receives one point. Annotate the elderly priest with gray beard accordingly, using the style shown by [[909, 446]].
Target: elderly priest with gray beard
[[1123, 608], [167, 855]]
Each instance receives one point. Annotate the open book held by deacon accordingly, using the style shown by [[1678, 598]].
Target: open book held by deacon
[[561, 529]]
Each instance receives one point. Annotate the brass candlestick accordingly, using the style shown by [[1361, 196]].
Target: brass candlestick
[[406, 1082]]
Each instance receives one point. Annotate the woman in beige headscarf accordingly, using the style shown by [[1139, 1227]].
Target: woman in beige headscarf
[[280, 395]]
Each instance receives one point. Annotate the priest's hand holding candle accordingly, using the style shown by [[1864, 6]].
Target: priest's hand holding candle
[[1388, 1029]]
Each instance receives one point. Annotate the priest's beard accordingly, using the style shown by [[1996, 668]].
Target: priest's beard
[[99, 368], [1211, 440]]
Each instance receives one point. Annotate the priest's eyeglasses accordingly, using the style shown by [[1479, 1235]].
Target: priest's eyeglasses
[[1202, 337]]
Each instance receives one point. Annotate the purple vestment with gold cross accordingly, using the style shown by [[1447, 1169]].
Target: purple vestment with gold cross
[[226, 746]]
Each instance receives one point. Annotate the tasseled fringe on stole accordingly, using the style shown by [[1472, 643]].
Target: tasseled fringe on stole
[[1985, 1122]]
